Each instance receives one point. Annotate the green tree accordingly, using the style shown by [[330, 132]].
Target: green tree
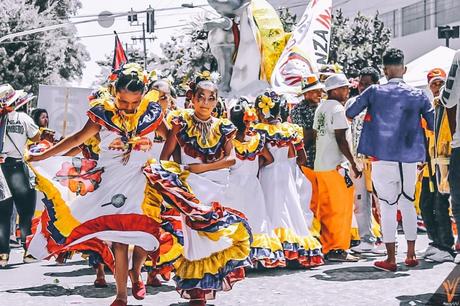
[[358, 43], [186, 53], [49, 57]]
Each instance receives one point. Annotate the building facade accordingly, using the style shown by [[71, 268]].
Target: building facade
[[413, 23]]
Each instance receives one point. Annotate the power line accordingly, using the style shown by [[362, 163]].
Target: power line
[[92, 36]]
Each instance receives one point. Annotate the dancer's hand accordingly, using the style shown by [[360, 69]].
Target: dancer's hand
[[34, 158], [196, 168]]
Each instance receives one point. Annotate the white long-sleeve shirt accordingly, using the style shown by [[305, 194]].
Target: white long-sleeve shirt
[[450, 96]]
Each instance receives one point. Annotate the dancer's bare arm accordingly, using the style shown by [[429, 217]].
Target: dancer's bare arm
[[89, 130]]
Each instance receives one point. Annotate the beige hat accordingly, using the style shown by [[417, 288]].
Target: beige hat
[[8, 95], [309, 83]]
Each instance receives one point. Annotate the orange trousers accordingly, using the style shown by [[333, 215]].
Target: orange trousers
[[334, 211]]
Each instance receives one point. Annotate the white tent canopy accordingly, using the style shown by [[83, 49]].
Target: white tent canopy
[[441, 57]]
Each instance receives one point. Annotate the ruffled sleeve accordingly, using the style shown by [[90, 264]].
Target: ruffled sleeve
[[102, 112], [277, 135], [249, 150]]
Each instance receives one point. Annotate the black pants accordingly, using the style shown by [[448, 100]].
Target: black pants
[[435, 213], [23, 197], [454, 182]]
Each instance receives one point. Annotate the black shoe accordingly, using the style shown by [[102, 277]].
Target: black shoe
[[340, 256]]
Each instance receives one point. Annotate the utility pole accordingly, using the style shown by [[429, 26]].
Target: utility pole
[[150, 12], [145, 46]]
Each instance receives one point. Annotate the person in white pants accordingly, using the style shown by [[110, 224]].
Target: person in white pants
[[363, 198], [394, 183], [393, 137]]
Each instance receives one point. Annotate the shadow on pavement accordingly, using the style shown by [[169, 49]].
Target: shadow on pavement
[[86, 291], [413, 300], [74, 273], [356, 273], [156, 290], [69, 263], [186, 304], [251, 273]]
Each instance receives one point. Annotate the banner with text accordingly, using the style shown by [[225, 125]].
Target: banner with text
[[307, 48]]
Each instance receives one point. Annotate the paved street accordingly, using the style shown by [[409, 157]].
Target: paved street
[[359, 283]]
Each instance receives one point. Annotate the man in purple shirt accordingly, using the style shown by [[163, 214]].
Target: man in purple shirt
[[393, 136]]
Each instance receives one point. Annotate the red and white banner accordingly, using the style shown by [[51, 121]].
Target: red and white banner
[[307, 48]]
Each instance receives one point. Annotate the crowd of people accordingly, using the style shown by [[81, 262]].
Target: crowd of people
[[213, 189]]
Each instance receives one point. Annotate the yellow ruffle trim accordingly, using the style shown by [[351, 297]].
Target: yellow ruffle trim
[[288, 235], [264, 241], [151, 206], [65, 222], [173, 254], [212, 138], [239, 250], [285, 129], [247, 146], [127, 122], [298, 133]]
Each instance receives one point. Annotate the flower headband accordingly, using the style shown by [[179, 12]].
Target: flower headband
[[266, 101], [100, 93], [133, 69]]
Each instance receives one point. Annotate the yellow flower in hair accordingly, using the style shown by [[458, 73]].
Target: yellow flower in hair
[[265, 104], [206, 75], [131, 68]]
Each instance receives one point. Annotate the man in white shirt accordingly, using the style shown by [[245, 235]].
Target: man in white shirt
[[19, 129], [335, 203], [450, 97]]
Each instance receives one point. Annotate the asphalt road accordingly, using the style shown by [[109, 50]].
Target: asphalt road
[[45, 283]]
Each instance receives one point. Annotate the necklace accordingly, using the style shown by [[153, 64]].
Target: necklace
[[204, 126], [125, 138]]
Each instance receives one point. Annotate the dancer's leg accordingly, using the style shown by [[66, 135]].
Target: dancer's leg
[[121, 270]]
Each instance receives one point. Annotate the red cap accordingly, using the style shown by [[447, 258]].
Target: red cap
[[436, 74]]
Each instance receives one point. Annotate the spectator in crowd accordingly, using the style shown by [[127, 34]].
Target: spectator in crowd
[[335, 202], [303, 114], [434, 205], [363, 197], [450, 97], [392, 135], [19, 129]]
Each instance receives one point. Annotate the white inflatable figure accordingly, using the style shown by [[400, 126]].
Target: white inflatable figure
[[221, 37], [247, 42]]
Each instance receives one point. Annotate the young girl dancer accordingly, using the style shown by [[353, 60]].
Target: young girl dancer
[[278, 182], [245, 194], [207, 265]]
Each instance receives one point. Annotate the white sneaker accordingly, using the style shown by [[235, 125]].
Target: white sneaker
[[367, 247], [441, 256], [363, 247], [380, 249], [430, 250], [457, 259]]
